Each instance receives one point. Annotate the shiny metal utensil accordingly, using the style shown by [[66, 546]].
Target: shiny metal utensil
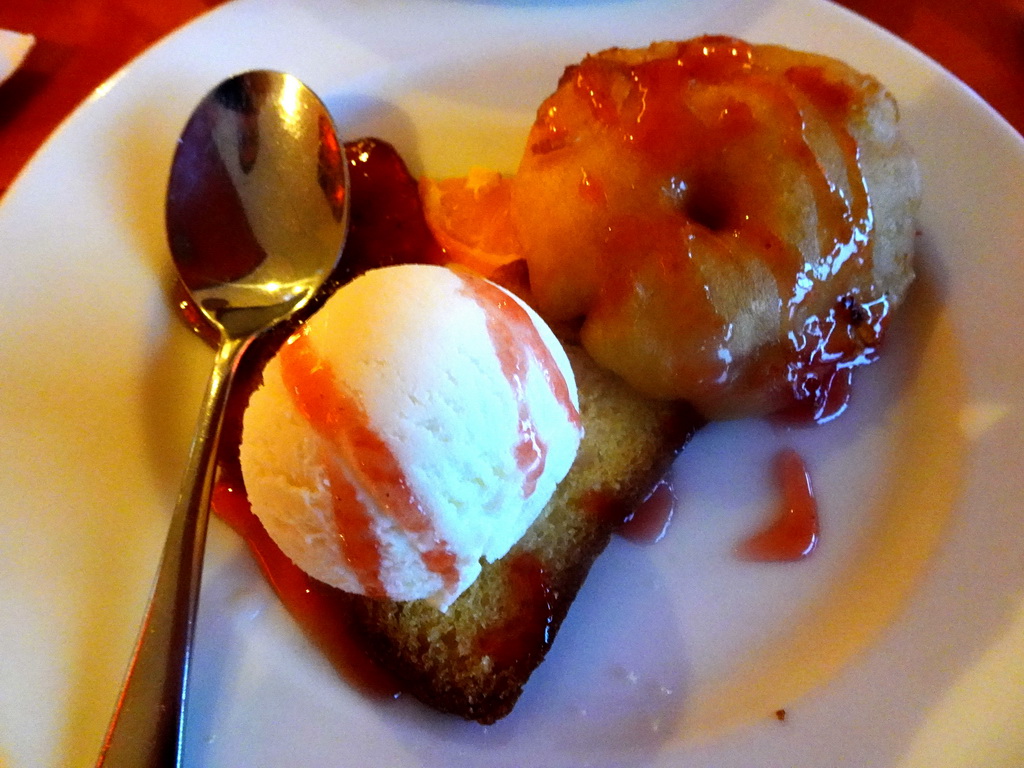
[[257, 213]]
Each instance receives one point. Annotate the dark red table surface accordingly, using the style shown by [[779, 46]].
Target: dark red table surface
[[80, 43]]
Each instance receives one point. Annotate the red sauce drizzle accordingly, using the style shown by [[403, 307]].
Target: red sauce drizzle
[[715, 57], [829, 347], [591, 188], [827, 350], [359, 544], [527, 633], [605, 507], [793, 534], [387, 226], [515, 340], [318, 608], [339, 418], [648, 523]]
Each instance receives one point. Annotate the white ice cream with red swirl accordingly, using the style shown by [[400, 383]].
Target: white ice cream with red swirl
[[417, 424]]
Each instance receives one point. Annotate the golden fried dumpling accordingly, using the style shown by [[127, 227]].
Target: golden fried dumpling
[[731, 224]]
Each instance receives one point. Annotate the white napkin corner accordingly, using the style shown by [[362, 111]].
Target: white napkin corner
[[14, 47]]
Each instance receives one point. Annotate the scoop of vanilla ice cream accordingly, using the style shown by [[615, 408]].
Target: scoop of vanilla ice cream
[[418, 423]]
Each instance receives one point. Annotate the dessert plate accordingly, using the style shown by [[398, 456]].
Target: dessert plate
[[900, 642]]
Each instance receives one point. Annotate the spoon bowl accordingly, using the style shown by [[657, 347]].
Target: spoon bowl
[[256, 204], [257, 214]]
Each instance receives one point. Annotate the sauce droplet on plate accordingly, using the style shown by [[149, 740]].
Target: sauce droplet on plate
[[648, 523], [793, 534]]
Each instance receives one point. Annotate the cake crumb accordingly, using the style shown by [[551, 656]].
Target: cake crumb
[[780, 715]]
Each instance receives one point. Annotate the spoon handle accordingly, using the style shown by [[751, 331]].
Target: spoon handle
[[148, 722]]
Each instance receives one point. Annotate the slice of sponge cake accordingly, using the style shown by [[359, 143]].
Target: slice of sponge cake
[[474, 660]]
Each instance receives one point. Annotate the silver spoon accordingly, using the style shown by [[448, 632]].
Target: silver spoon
[[257, 212]]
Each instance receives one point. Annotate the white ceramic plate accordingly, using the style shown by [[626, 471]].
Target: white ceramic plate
[[899, 643]]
